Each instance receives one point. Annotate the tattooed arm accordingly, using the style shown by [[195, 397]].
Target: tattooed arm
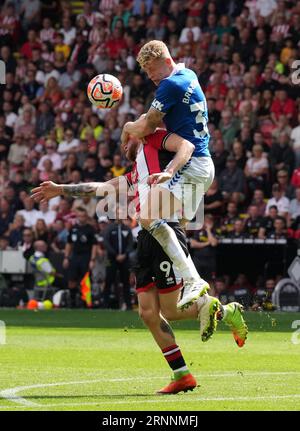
[[48, 190], [79, 190], [143, 126]]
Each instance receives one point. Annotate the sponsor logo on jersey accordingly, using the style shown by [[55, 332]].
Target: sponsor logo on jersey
[[157, 105]]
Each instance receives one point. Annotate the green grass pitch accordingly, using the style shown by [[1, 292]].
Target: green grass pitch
[[107, 360]]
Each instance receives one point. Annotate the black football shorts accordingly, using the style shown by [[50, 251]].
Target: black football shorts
[[153, 267]]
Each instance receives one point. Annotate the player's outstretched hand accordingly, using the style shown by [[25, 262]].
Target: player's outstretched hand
[[161, 177], [45, 191]]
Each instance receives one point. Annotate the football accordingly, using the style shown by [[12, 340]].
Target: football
[[105, 91]]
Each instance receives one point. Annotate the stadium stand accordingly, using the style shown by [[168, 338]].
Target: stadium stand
[[245, 56]]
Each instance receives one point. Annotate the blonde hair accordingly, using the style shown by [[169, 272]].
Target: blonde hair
[[155, 49]]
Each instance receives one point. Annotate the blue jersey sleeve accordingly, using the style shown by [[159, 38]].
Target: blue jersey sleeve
[[165, 97]]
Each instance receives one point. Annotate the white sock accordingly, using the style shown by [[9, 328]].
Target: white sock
[[201, 301], [224, 312], [167, 238]]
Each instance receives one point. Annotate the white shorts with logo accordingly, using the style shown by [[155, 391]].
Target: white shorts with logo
[[190, 184]]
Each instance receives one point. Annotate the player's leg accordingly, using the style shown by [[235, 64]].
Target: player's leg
[[204, 309], [159, 206], [150, 313], [232, 315], [162, 333], [169, 286]]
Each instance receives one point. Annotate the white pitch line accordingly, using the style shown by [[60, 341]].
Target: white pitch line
[[11, 394], [159, 399]]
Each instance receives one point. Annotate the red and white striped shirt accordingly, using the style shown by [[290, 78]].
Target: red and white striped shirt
[[151, 158]]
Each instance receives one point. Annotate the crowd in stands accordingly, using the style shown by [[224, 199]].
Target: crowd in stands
[[244, 53]]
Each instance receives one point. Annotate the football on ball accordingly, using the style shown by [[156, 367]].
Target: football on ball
[[105, 91]]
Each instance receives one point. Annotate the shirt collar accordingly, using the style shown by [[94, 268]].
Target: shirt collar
[[179, 66]]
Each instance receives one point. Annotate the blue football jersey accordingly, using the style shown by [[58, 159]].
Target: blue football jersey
[[183, 102]]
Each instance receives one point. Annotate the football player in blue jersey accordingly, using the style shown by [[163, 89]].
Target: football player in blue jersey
[[181, 105]]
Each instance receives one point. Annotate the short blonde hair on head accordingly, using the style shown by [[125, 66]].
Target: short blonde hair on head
[[155, 49]]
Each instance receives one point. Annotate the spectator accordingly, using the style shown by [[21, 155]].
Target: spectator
[[30, 10], [232, 181], [282, 126], [282, 105], [295, 180], [15, 231], [45, 214], [8, 58], [10, 116], [192, 25], [219, 156], [118, 168], [268, 222], [26, 245], [229, 128], [64, 212], [213, 199], [32, 88], [118, 243], [61, 47], [295, 136], [69, 144], [238, 152], [281, 155], [4, 144], [29, 213], [44, 120], [203, 249], [13, 200], [256, 169], [238, 231], [253, 222], [294, 209], [79, 53], [60, 236], [68, 31], [17, 151], [88, 203], [53, 93], [6, 215], [227, 222], [9, 25], [52, 155], [92, 171], [32, 43], [284, 183], [279, 230], [263, 296], [80, 253], [220, 290], [40, 231], [47, 32], [279, 200], [259, 201], [4, 243], [214, 113], [268, 83], [70, 78], [242, 290]]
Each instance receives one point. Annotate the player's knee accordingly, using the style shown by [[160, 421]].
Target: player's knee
[[148, 315], [169, 314]]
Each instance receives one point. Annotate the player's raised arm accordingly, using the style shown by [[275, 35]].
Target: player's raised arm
[[48, 189], [143, 126], [183, 150]]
